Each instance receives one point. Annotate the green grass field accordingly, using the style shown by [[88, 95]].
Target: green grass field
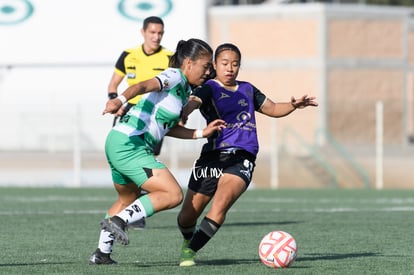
[[54, 231]]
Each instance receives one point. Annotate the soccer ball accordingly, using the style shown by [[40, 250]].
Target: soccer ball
[[278, 249]]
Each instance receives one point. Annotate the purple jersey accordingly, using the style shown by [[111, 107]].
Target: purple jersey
[[237, 109]]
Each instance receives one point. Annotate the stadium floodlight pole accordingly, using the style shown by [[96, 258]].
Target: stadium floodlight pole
[[379, 144]]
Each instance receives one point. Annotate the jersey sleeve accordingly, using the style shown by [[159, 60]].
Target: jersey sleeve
[[259, 98], [169, 78], [202, 92], [120, 64]]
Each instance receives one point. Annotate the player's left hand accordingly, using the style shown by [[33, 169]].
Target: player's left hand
[[304, 101]]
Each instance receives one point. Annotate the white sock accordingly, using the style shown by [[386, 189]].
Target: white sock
[[106, 241], [132, 213]]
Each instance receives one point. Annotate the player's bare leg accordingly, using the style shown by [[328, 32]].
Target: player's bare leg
[[164, 193], [229, 189]]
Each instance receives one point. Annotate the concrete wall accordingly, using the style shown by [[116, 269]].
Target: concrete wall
[[348, 56]]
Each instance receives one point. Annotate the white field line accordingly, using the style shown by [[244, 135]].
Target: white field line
[[44, 199], [381, 205], [275, 210], [32, 199], [331, 200], [66, 212]]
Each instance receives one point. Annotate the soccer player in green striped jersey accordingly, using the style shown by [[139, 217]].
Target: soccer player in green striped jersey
[[129, 144]]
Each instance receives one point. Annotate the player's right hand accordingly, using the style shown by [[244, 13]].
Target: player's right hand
[[212, 127], [113, 106]]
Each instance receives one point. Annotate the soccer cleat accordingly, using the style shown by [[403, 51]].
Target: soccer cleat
[[138, 225], [187, 257], [185, 244], [99, 257], [116, 226]]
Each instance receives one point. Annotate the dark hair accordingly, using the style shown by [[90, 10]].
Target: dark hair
[[227, 47], [192, 48], [153, 20]]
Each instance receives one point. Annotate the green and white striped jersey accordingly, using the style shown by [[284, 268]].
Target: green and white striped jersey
[[157, 112]]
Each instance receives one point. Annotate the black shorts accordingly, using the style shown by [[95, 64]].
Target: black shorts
[[212, 165]]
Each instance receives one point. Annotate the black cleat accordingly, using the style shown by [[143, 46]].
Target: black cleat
[[99, 257], [116, 226]]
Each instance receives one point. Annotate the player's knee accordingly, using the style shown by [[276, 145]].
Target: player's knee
[[174, 196], [187, 218]]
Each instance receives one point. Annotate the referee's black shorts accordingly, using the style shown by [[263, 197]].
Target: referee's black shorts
[[212, 165]]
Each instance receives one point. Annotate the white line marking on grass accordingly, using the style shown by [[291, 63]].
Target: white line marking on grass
[[42, 199], [23, 199], [235, 210], [65, 212], [333, 200], [334, 210]]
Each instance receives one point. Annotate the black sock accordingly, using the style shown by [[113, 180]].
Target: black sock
[[206, 231], [186, 231]]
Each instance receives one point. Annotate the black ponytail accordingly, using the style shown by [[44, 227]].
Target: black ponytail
[[192, 48]]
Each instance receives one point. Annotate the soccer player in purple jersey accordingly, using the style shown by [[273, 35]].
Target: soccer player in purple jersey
[[225, 167]]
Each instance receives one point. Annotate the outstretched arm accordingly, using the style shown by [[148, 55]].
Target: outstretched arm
[[282, 109], [113, 106], [192, 104], [185, 133]]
